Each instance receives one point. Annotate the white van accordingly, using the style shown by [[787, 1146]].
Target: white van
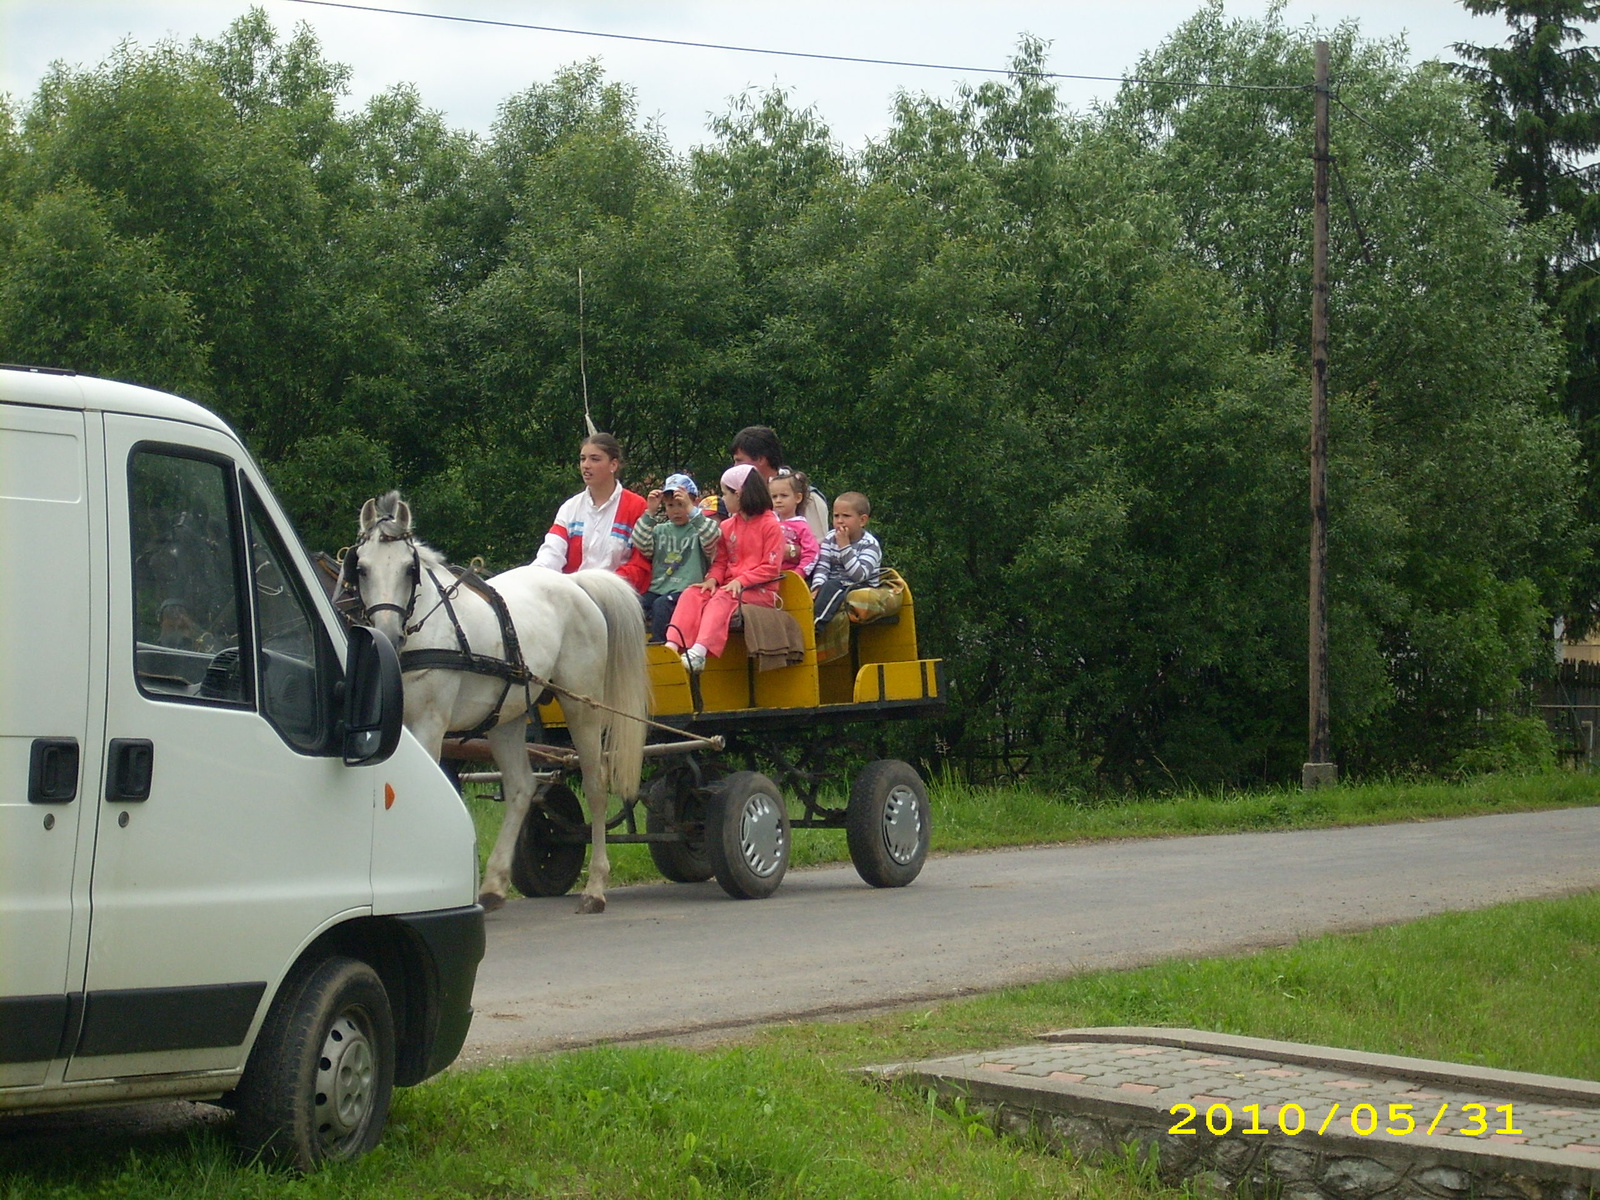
[[224, 872]]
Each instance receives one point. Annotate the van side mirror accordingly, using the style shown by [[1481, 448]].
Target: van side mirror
[[374, 700]]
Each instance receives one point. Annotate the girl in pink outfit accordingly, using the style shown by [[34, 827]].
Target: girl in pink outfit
[[800, 545], [746, 570]]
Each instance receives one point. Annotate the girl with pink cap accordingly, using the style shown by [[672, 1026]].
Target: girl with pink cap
[[748, 565]]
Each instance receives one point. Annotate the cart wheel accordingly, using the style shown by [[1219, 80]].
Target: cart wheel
[[747, 835], [452, 771], [685, 861], [887, 824], [541, 865]]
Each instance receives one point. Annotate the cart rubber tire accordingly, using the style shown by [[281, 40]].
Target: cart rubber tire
[[887, 825], [540, 866], [747, 835], [320, 1077], [679, 862]]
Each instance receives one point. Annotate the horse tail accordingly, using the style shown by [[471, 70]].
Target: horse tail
[[627, 687]]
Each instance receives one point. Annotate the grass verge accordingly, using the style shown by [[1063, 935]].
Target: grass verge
[[1509, 987], [969, 818], [777, 1116]]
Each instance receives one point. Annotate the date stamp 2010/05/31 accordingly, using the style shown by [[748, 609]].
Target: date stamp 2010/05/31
[[1363, 1120]]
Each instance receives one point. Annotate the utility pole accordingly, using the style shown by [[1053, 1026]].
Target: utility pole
[[1319, 768]]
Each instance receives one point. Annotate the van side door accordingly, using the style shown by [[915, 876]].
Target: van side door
[[52, 681], [231, 832]]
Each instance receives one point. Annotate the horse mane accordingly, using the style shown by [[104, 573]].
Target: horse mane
[[428, 556]]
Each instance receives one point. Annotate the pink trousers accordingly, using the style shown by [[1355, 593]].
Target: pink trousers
[[701, 618]]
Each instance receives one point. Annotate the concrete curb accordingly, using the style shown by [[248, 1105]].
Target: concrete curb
[[1020, 1093]]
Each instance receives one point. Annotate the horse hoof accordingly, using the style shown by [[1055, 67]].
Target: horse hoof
[[591, 904], [491, 901]]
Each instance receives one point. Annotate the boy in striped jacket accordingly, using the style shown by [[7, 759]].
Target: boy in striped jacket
[[851, 557]]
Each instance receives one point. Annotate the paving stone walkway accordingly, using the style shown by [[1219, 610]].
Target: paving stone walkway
[[1240, 1091], [1312, 1122]]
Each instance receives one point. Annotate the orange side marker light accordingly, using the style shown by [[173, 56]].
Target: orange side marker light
[[388, 795]]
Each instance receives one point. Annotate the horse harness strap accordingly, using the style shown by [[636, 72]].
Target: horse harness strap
[[510, 670]]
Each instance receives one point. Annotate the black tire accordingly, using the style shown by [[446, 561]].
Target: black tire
[[887, 825], [320, 1077], [685, 861], [542, 866], [747, 835]]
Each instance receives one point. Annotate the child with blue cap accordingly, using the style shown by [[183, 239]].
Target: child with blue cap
[[680, 541], [746, 570]]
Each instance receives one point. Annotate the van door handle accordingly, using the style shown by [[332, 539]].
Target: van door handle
[[53, 771], [131, 767]]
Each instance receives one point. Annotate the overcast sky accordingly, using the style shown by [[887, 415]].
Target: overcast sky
[[467, 71]]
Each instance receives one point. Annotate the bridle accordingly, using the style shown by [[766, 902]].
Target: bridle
[[350, 582]]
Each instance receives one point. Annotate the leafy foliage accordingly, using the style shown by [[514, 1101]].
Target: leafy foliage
[[1538, 96], [1063, 354]]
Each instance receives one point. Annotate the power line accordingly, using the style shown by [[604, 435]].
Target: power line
[[1401, 145], [839, 58], [925, 66], [1440, 174], [1349, 203]]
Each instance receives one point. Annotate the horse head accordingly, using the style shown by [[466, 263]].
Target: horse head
[[387, 567]]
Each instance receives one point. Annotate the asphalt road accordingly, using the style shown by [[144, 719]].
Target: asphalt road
[[673, 959]]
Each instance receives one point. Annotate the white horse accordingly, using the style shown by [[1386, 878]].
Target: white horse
[[582, 632]]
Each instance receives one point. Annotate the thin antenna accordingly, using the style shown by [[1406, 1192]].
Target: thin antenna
[[583, 368]]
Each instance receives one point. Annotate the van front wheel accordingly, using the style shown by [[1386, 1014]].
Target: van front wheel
[[321, 1074]]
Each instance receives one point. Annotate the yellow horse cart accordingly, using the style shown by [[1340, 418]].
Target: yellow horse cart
[[707, 810]]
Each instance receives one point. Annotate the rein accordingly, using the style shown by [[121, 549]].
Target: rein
[[443, 602]]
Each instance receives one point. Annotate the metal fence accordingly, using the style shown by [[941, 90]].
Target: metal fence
[[1570, 706]]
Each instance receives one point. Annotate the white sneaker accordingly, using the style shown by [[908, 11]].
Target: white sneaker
[[694, 659]]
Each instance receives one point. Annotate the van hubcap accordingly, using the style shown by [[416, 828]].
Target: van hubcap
[[346, 1074]]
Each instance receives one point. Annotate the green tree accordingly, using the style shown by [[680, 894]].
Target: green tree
[[1438, 353], [956, 328], [1539, 101], [10, 150], [583, 186], [1064, 355], [308, 252], [76, 294]]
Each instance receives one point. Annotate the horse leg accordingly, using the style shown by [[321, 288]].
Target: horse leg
[[507, 740], [584, 726], [427, 713]]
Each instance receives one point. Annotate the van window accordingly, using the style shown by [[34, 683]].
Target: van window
[[297, 667], [187, 608]]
